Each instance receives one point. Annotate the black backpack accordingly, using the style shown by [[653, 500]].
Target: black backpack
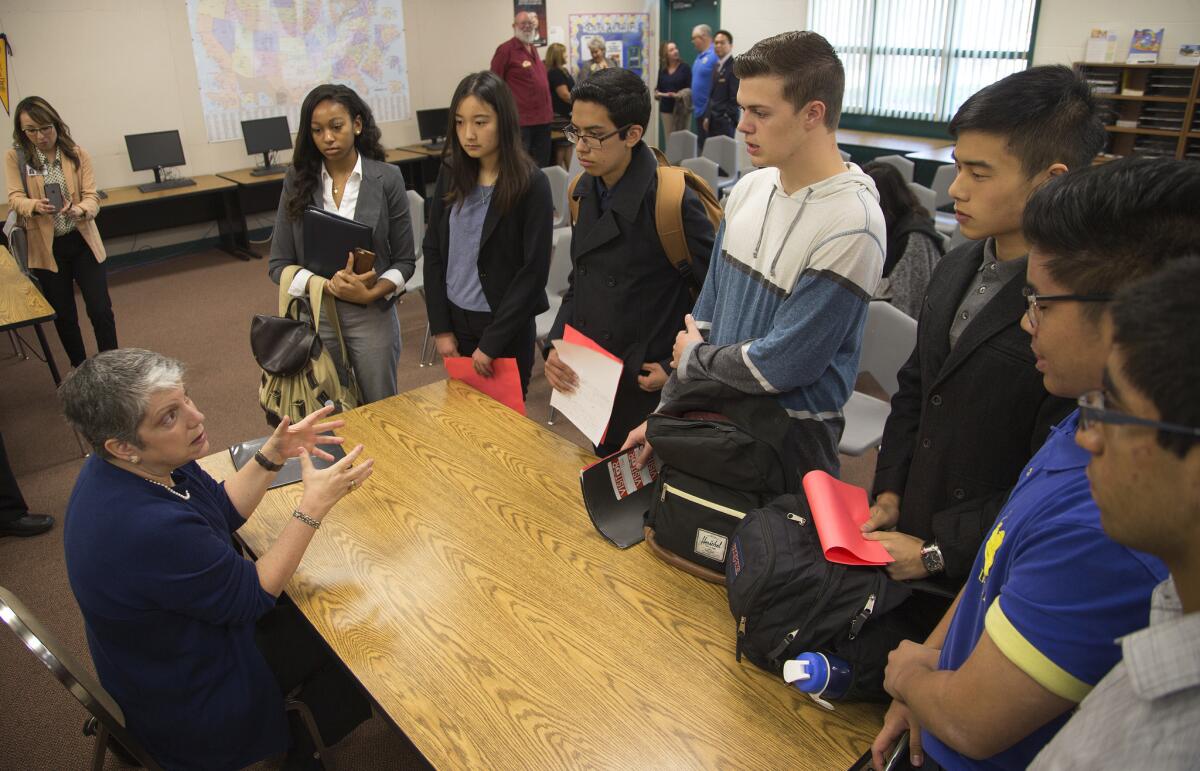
[[787, 598], [722, 457]]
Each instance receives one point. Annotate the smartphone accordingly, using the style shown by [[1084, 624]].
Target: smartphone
[[364, 260], [897, 759], [55, 194]]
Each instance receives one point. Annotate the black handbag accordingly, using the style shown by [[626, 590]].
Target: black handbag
[[283, 345]]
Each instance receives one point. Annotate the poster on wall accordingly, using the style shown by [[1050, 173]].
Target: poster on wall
[[625, 35], [538, 12]]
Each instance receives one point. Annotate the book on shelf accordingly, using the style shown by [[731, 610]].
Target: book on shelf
[[1144, 46], [1189, 53], [1101, 46]]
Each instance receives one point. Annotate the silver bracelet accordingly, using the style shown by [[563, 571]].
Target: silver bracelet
[[300, 515]]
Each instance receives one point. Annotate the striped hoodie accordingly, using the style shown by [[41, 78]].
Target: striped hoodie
[[785, 301]]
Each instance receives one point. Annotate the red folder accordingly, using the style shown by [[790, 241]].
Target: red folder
[[839, 510], [504, 385], [575, 337]]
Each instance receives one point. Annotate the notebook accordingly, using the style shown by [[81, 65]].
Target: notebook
[[328, 240]]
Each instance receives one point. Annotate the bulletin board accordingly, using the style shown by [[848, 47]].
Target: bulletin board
[[626, 38]]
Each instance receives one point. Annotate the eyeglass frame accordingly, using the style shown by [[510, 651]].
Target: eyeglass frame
[[572, 130], [39, 130], [1091, 414], [1032, 299]]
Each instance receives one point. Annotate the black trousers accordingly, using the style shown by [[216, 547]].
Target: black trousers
[[298, 657], [77, 265], [12, 505], [721, 125], [536, 140], [468, 328]]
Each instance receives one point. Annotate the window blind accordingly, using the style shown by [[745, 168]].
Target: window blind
[[921, 59]]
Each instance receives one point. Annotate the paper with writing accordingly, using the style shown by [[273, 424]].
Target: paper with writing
[[590, 405]]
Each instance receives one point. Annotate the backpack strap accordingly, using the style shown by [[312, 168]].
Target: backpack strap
[[668, 216], [316, 294], [572, 201], [23, 165]]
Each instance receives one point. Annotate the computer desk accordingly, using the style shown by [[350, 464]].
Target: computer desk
[[22, 305], [128, 211], [465, 588]]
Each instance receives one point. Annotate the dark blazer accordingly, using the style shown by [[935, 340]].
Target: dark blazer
[[382, 204], [514, 261], [623, 291], [722, 99], [964, 422]]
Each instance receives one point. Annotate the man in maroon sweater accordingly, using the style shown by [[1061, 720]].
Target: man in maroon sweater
[[516, 61]]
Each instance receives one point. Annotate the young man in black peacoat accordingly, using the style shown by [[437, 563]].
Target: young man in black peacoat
[[971, 408], [624, 293]]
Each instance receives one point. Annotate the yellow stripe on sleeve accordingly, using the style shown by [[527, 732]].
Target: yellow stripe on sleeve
[[1029, 659]]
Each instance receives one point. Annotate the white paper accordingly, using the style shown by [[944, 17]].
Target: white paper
[[590, 405], [556, 35]]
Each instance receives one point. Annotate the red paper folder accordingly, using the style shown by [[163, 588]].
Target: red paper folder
[[575, 337], [839, 510], [504, 385]]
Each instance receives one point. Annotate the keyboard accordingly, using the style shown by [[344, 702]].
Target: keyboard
[[166, 184]]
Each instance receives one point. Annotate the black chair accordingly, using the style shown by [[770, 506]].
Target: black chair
[[107, 722]]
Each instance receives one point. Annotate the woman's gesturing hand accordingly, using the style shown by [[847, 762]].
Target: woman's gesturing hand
[[309, 433], [325, 487]]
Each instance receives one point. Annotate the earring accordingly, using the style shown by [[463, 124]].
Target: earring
[[134, 459]]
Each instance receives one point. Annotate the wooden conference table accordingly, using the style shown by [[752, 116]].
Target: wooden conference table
[[22, 305], [466, 589]]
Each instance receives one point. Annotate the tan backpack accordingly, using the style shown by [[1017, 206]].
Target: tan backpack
[[668, 210], [299, 375]]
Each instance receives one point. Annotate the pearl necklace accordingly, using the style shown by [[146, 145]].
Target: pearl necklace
[[185, 495]]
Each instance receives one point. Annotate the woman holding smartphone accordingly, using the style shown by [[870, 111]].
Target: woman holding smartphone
[[338, 165], [487, 247], [52, 189]]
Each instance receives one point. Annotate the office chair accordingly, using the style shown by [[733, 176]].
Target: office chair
[[681, 145], [888, 340], [902, 164], [107, 721]]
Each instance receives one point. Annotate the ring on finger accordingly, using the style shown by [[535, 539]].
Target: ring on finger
[[353, 483]]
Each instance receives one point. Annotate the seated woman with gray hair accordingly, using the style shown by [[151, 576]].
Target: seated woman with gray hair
[[185, 633]]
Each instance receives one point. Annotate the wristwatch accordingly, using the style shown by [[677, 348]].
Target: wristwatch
[[931, 558], [265, 462]]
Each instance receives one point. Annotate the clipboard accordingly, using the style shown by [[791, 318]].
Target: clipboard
[[329, 238]]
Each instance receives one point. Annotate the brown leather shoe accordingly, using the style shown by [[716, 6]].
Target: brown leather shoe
[[30, 524]]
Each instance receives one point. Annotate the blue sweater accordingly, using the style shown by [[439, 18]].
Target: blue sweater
[[169, 609]]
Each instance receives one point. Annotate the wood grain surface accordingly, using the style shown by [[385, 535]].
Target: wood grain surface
[[244, 177], [123, 196], [899, 143], [20, 301], [465, 588], [402, 154]]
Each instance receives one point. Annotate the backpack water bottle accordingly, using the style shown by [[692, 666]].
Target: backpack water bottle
[[824, 678]]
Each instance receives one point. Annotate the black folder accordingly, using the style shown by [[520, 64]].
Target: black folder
[[329, 238]]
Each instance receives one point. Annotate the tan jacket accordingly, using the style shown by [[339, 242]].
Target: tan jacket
[[39, 228]]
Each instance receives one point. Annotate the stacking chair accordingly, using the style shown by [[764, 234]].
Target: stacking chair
[[558, 179], [745, 164], [904, 165], [575, 169], [723, 151], [681, 145], [705, 168], [888, 341], [107, 719], [416, 284], [556, 287], [925, 196], [845, 155], [942, 179]]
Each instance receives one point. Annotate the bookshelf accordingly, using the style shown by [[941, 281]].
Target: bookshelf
[[1147, 109]]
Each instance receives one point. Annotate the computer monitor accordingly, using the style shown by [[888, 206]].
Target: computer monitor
[[431, 124], [156, 150], [266, 135]]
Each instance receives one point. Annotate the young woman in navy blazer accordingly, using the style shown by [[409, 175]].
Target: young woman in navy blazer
[[487, 248], [338, 165]]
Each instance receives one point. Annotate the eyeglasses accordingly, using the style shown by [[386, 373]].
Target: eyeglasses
[[1092, 412], [590, 141], [1034, 301], [33, 132]]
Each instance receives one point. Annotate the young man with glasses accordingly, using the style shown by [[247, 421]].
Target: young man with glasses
[[798, 257], [624, 293], [1142, 429], [1034, 628]]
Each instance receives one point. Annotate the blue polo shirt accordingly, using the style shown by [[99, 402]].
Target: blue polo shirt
[[1053, 591], [702, 76]]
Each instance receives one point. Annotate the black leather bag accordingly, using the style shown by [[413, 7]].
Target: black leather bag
[[284, 345]]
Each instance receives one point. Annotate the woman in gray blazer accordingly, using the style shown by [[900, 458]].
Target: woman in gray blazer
[[338, 165]]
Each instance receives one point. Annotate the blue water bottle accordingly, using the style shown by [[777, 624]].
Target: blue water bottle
[[824, 678]]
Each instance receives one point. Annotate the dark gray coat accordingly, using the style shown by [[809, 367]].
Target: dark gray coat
[[964, 422]]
